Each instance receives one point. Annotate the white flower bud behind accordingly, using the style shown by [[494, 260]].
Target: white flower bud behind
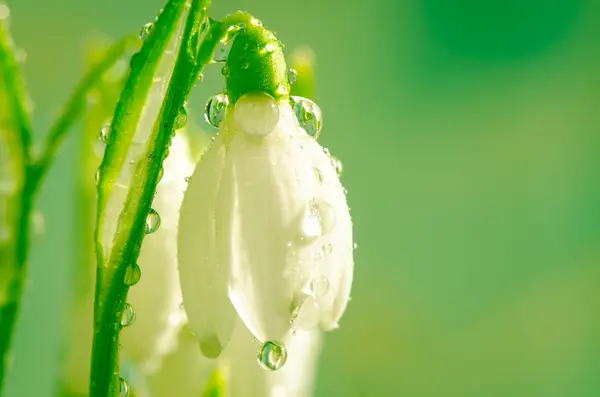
[[155, 298], [185, 372], [157, 295], [245, 377]]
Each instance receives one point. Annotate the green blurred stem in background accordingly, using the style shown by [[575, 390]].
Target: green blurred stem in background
[[29, 172]]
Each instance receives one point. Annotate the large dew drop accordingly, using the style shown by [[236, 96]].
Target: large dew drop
[[132, 275], [308, 114], [124, 389], [146, 30], [152, 222], [319, 219], [214, 112], [128, 316], [272, 355], [181, 119], [256, 114]]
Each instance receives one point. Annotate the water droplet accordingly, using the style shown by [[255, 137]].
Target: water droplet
[[225, 71], [105, 133], [161, 173], [200, 77], [256, 22], [269, 47], [152, 222], [245, 64], [292, 75], [308, 315], [337, 164], [181, 119], [188, 179], [318, 175], [319, 286], [327, 249], [215, 109], [272, 355], [132, 275], [308, 115], [128, 316], [283, 89], [354, 246], [97, 176], [319, 219], [146, 30], [124, 389], [256, 114]]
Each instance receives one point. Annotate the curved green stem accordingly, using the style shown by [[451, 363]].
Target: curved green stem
[[78, 101], [30, 174]]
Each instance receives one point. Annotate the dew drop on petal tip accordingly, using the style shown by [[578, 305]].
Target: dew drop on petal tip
[[272, 355], [215, 109], [128, 316], [210, 346], [256, 114], [308, 115], [124, 389], [132, 275], [152, 222]]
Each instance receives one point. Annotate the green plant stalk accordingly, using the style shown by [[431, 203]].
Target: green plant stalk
[[31, 175], [111, 291]]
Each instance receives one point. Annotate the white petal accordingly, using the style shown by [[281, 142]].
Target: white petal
[[203, 279], [332, 279], [297, 377], [245, 377], [265, 189], [156, 297], [185, 372]]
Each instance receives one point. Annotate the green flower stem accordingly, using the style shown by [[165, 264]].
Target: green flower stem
[[78, 102], [30, 173], [111, 291]]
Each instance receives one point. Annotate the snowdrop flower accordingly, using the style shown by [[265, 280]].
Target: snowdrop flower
[[265, 233], [155, 297]]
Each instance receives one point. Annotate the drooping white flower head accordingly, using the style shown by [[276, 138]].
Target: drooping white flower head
[[265, 231]]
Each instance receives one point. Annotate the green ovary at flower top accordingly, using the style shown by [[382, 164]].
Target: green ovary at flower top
[[265, 234]]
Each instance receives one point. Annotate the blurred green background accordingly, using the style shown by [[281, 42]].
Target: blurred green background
[[470, 137]]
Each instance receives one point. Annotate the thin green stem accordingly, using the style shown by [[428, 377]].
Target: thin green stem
[[111, 291], [31, 174], [77, 104]]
